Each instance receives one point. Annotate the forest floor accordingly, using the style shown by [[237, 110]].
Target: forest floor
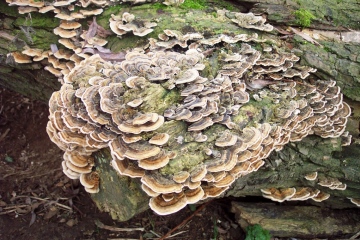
[[37, 201]]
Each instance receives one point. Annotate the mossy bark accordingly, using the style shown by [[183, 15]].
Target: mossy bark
[[329, 14], [16, 32], [123, 197], [35, 31], [288, 168], [299, 221]]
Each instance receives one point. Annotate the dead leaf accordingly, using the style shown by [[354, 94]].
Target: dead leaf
[[59, 184], [102, 32], [72, 222], [221, 230], [52, 211], [117, 57], [71, 204], [24, 210], [3, 204], [33, 218], [305, 36], [54, 48], [92, 30], [35, 205], [282, 31], [102, 49]]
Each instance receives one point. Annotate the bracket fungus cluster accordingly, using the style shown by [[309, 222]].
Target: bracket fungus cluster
[[128, 23], [190, 114], [294, 194], [73, 38], [187, 130]]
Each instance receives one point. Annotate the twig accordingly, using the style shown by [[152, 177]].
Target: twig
[[122, 239], [46, 200], [2, 137], [10, 211], [116, 229], [48, 172], [16, 206], [356, 235], [171, 236], [186, 220], [78, 210], [29, 171], [155, 233]]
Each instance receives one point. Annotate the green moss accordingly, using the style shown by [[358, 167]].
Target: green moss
[[157, 99], [304, 17], [37, 38], [158, 6], [121, 196], [103, 19], [6, 46], [193, 4], [9, 11], [186, 160], [256, 232], [42, 39], [224, 4], [275, 17], [127, 41], [37, 20]]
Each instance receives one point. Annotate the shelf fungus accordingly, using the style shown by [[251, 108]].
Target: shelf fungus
[[294, 194], [187, 124], [355, 201], [128, 23]]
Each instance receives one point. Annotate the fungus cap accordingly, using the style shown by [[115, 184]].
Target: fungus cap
[[159, 139], [20, 58], [162, 207], [278, 195]]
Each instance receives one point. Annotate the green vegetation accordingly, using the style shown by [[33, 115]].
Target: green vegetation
[[158, 6], [256, 232], [8, 159], [37, 20], [226, 5], [304, 17], [215, 231], [192, 207], [193, 4]]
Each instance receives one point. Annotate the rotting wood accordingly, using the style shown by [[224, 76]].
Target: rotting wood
[[298, 221]]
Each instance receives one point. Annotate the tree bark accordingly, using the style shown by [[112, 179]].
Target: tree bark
[[299, 221], [16, 32], [122, 196]]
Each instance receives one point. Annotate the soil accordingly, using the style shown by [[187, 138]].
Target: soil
[[37, 201]]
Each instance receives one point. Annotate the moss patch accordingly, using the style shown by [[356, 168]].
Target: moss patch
[[38, 20], [7, 10], [304, 17], [193, 4]]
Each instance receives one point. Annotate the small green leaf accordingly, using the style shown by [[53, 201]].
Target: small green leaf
[[256, 232], [8, 159], [148, 235], [192, 207]]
